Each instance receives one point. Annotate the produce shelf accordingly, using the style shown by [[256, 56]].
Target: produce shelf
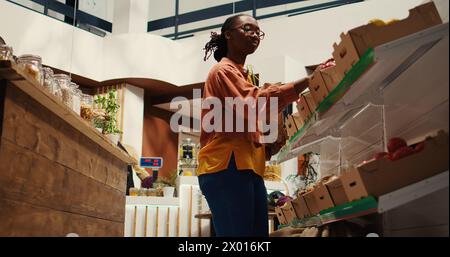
[[355, 209], [412, 192], [369, 205], [399, 75], [355, 72], [363, 207]]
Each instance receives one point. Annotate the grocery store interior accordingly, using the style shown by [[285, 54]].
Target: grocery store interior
[[101, 106]]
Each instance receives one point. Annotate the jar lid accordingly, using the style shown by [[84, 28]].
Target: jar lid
[[6, 47], [61, 76], [48, 70], [30, 57]]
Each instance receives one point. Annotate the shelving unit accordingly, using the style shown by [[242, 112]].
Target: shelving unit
[[348, 211], [10, 72], [420, 59], [403, 92], [370, 205], [412, 192]]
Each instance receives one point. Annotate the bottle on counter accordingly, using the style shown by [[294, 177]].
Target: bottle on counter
[[6, 53], [31, 65]]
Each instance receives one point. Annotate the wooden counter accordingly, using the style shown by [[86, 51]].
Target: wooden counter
[[58, 175]]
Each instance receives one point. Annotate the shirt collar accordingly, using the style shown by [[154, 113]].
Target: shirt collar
[[238, 66]]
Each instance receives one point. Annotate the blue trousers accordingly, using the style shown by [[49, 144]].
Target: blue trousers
[[237, 200]]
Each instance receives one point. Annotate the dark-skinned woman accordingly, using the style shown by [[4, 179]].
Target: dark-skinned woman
[[232, 164]]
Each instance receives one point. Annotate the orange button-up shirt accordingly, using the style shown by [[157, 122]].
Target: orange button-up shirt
[[228, 79]]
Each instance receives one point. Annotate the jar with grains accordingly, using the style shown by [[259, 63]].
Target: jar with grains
[[49, 81], [31, 65], [6, 53], [63, 85]]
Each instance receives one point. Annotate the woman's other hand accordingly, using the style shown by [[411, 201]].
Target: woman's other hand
[[301, 84]]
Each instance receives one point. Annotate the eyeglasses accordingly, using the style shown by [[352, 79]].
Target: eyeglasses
[[248, 30]]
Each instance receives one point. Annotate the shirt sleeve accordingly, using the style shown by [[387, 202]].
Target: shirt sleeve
[[231, 83]]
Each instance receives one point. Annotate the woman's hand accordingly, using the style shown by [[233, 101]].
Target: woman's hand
[[301, 84], [274, 148]]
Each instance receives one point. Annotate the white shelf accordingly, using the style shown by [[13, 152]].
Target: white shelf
[[409, 76], [152, 200], [412, 192], [274, 185], [187, 180]]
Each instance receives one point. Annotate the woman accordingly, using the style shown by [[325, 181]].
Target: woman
[[231, 164]]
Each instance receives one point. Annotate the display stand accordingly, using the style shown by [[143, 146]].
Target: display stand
[[402, 92], [397, 76]]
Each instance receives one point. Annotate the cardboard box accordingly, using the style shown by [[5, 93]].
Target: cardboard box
[[337, 191], [280, 216], [291, 128], [300, 207], [311, 104], [298, 120], [289, 212], [358, 40], [331, 76], [323, 197], [317, 87], [345, 54], [311, 202], [303, 109], [302, 165], [310, 101], [383, 176], [371, 35]]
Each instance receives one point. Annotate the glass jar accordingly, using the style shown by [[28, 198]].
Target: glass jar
[[187, 152], [87, 103], [87, 100], [63, 88], [49, 81], [31, 65], [6, 53], [152, 192], [57, 90], [76, 98], [142, 192], [133, 191]]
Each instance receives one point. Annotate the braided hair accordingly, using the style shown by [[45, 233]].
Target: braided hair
[[218, 43]]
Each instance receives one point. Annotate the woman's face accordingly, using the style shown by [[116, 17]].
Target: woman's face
[[244, 36]]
